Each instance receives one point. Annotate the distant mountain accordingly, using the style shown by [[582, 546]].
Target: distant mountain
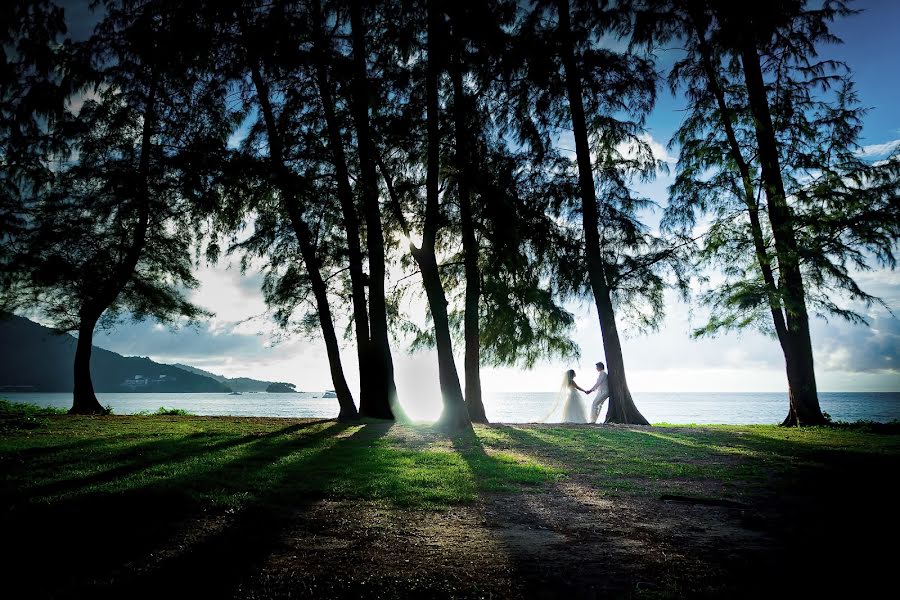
[[282, 388], [37, 358], [238, 384]]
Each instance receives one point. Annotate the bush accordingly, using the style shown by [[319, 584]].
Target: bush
[[8, 408], [162, 411], [16, 416]]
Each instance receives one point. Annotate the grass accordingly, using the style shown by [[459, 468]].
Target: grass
[[232, 461], [68, 477]]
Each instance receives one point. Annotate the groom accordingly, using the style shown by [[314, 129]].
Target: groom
[[602, 388]]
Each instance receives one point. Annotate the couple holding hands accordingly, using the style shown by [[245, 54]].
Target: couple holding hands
[[573, 410]]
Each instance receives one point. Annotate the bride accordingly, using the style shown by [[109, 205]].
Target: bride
[[572, 408]]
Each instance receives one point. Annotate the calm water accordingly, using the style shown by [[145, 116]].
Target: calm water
[[690, 407]]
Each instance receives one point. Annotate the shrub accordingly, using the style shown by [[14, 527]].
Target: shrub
[[162, 411], [16, 416]]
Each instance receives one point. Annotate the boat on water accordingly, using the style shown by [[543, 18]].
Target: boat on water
[[329, 394], [235, 394]]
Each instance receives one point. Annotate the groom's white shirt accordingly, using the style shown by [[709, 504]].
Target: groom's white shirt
[[602, 386]]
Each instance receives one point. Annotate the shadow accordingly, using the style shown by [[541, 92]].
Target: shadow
[[25, 454], [96, 541], [548, 535], [220, 563], [169, 451], [831, 512], [797, 493], [209, 514]]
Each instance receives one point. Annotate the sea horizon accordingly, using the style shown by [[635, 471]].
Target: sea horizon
[[707, 408]]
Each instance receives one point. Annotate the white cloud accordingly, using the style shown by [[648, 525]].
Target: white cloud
[[878, 150], [659, 151]]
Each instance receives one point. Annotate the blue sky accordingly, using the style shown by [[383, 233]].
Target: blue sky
[[848, 357]]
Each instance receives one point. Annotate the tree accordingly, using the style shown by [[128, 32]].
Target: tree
[[283, 95], [373, 402], [409, 60], [32, 98], [496, 236], [385, 404], [568, 80], [769, 149], [110, 234], [506, 208], [455, 415], [471, 25]]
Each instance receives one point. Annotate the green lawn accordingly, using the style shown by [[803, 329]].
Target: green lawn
[[47, 457], [130, 483], [231, 462]]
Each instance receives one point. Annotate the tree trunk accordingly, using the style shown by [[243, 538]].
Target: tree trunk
[[385, 396], [368, 372], [621, 406], [804, 406], [84, 401], [320, 292], [455, 415], [295, 211], [804, 399], [471, 332]]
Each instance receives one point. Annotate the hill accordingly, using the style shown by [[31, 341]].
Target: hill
[[238, 384], [38, 359]]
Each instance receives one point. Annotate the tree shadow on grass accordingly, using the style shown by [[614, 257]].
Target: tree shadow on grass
[[216, 565], [20, 456], [622, 459], [829, 508], [140, 457], [72, 547], [800, 492], [202, 515]]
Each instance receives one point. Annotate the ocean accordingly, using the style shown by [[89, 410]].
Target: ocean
[[508, 407]]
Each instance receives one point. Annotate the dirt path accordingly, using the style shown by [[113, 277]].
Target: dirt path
[[564, 541]]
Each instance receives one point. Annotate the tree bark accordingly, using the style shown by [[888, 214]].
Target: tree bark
[[622, 408], [471, 328], [320, 292], [368, 376], [385, 394], [454, 415], [804, 399], [621, 405], [295, 209], [84, 401]]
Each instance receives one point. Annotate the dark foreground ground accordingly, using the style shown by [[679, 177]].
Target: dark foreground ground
[[180, 506]]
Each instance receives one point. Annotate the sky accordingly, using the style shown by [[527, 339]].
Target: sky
[[242, 341]]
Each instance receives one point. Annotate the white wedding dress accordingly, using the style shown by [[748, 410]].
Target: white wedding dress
[[573, 410]]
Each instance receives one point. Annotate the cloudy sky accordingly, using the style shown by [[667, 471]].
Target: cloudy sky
[[241, 341]]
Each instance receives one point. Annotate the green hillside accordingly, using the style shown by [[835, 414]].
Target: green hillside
[[238, 384], [38, 359]]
